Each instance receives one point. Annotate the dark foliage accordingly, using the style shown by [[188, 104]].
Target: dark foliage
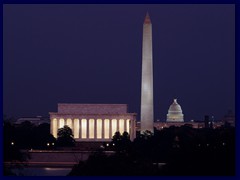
[[121, 143], [13, 157], [28, 136], [182, 150], [65, 137]]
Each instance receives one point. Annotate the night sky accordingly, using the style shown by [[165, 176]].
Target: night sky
[[92, 54]]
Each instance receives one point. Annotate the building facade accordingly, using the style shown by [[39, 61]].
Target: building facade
[[94, 122]]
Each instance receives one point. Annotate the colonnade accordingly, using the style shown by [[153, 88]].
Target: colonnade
[[92, 129]]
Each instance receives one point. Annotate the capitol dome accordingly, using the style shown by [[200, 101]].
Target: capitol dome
[[175, 112]]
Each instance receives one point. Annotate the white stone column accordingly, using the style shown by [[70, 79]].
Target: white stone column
[[54, 128]]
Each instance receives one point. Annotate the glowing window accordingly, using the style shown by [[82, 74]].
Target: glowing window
[[99, 128], [114, 126], [61, 123], [106, 129], [76, 128], [69, 123], [91, 128], [121, 126], [54, 127], [84, 128]]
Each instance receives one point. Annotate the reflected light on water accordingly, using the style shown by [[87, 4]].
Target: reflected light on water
[[55, 169], [42, 171]]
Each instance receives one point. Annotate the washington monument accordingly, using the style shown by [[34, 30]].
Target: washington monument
[[147, 77]]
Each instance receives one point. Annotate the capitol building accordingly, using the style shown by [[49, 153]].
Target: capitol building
[[175, 117], [175, 112]]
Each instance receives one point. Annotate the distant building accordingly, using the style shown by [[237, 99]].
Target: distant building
[[175, 117], [229, 118], [34, 120], [94, 122], [160, 125], [194, 124], [206, 121], [175, 112]]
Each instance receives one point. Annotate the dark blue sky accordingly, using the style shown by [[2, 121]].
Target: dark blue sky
[[92, 54]]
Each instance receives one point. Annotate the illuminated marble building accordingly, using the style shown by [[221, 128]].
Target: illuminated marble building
[[93, 122], [175, 112]]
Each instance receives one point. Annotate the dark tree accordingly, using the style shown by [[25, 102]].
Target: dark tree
[[172, 151], [121, 143], [43, 138], [12, 155], [65, 137]]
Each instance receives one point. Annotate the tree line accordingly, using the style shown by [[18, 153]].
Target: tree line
[[171, 151]]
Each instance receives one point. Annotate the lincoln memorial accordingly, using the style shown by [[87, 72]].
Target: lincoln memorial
[[94, 122]]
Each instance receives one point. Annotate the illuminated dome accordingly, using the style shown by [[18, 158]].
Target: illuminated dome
[[175, 112]]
